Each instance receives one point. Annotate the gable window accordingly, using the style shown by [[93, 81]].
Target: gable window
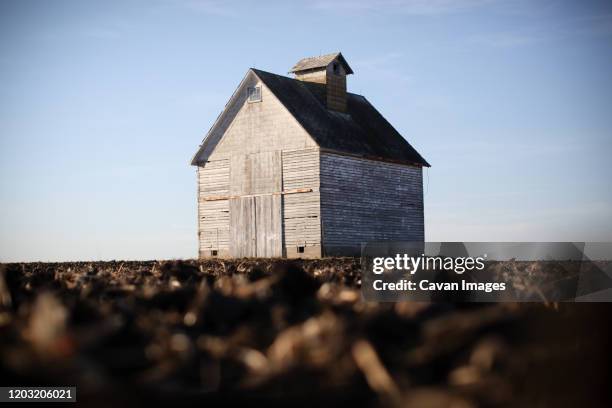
[[254, 93]]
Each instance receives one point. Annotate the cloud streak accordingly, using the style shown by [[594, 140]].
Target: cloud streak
[[410, 7], [211, 7], [590, 26]]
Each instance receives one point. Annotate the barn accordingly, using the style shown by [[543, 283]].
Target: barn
[[299, 167]]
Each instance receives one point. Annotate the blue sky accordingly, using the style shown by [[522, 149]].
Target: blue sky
[[102, 105]]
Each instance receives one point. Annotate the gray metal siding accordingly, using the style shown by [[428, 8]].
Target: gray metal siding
[[365, 200]]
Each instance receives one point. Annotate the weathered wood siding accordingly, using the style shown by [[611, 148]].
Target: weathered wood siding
[[255, 206], [261, 126], [268, 225], [265, 153], [301, 211], [255, 226], [213, 215], [365, 200], [255, 173]]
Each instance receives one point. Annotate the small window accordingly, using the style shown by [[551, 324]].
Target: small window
[[300, 250], [254, 93], [213, 252], [336, 68]]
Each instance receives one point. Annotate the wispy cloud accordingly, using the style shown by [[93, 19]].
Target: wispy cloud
[[507, 39], [413, 7], [116, 29], [598, 25], [383, 65], [585, 26], [212, 7], [378, 60]]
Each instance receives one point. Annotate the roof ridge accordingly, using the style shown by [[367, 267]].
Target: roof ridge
[[364, 131], [297, 80], [310, 63]]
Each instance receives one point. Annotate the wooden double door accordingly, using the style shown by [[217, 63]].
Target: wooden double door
[[255, 226], [255, 207]]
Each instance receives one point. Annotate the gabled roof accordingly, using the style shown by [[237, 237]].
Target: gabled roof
[[321, 61], [361, 131]]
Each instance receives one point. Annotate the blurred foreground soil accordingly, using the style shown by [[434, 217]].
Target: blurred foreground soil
[[287, 333]]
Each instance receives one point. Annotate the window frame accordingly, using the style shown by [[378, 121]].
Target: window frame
[[258, 88]]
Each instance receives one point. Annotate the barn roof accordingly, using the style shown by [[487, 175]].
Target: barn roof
[[361, 131], [321, 61]]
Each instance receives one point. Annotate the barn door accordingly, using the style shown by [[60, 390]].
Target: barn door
[[255, 210], [243, 235], [268, 226], [255, 226]]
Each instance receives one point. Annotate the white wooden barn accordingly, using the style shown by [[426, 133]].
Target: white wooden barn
[[299, 167]]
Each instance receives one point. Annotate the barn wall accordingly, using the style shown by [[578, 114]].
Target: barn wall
[[264, 152], [365, 200], [301, 211], [262, 126], [213, 215]]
